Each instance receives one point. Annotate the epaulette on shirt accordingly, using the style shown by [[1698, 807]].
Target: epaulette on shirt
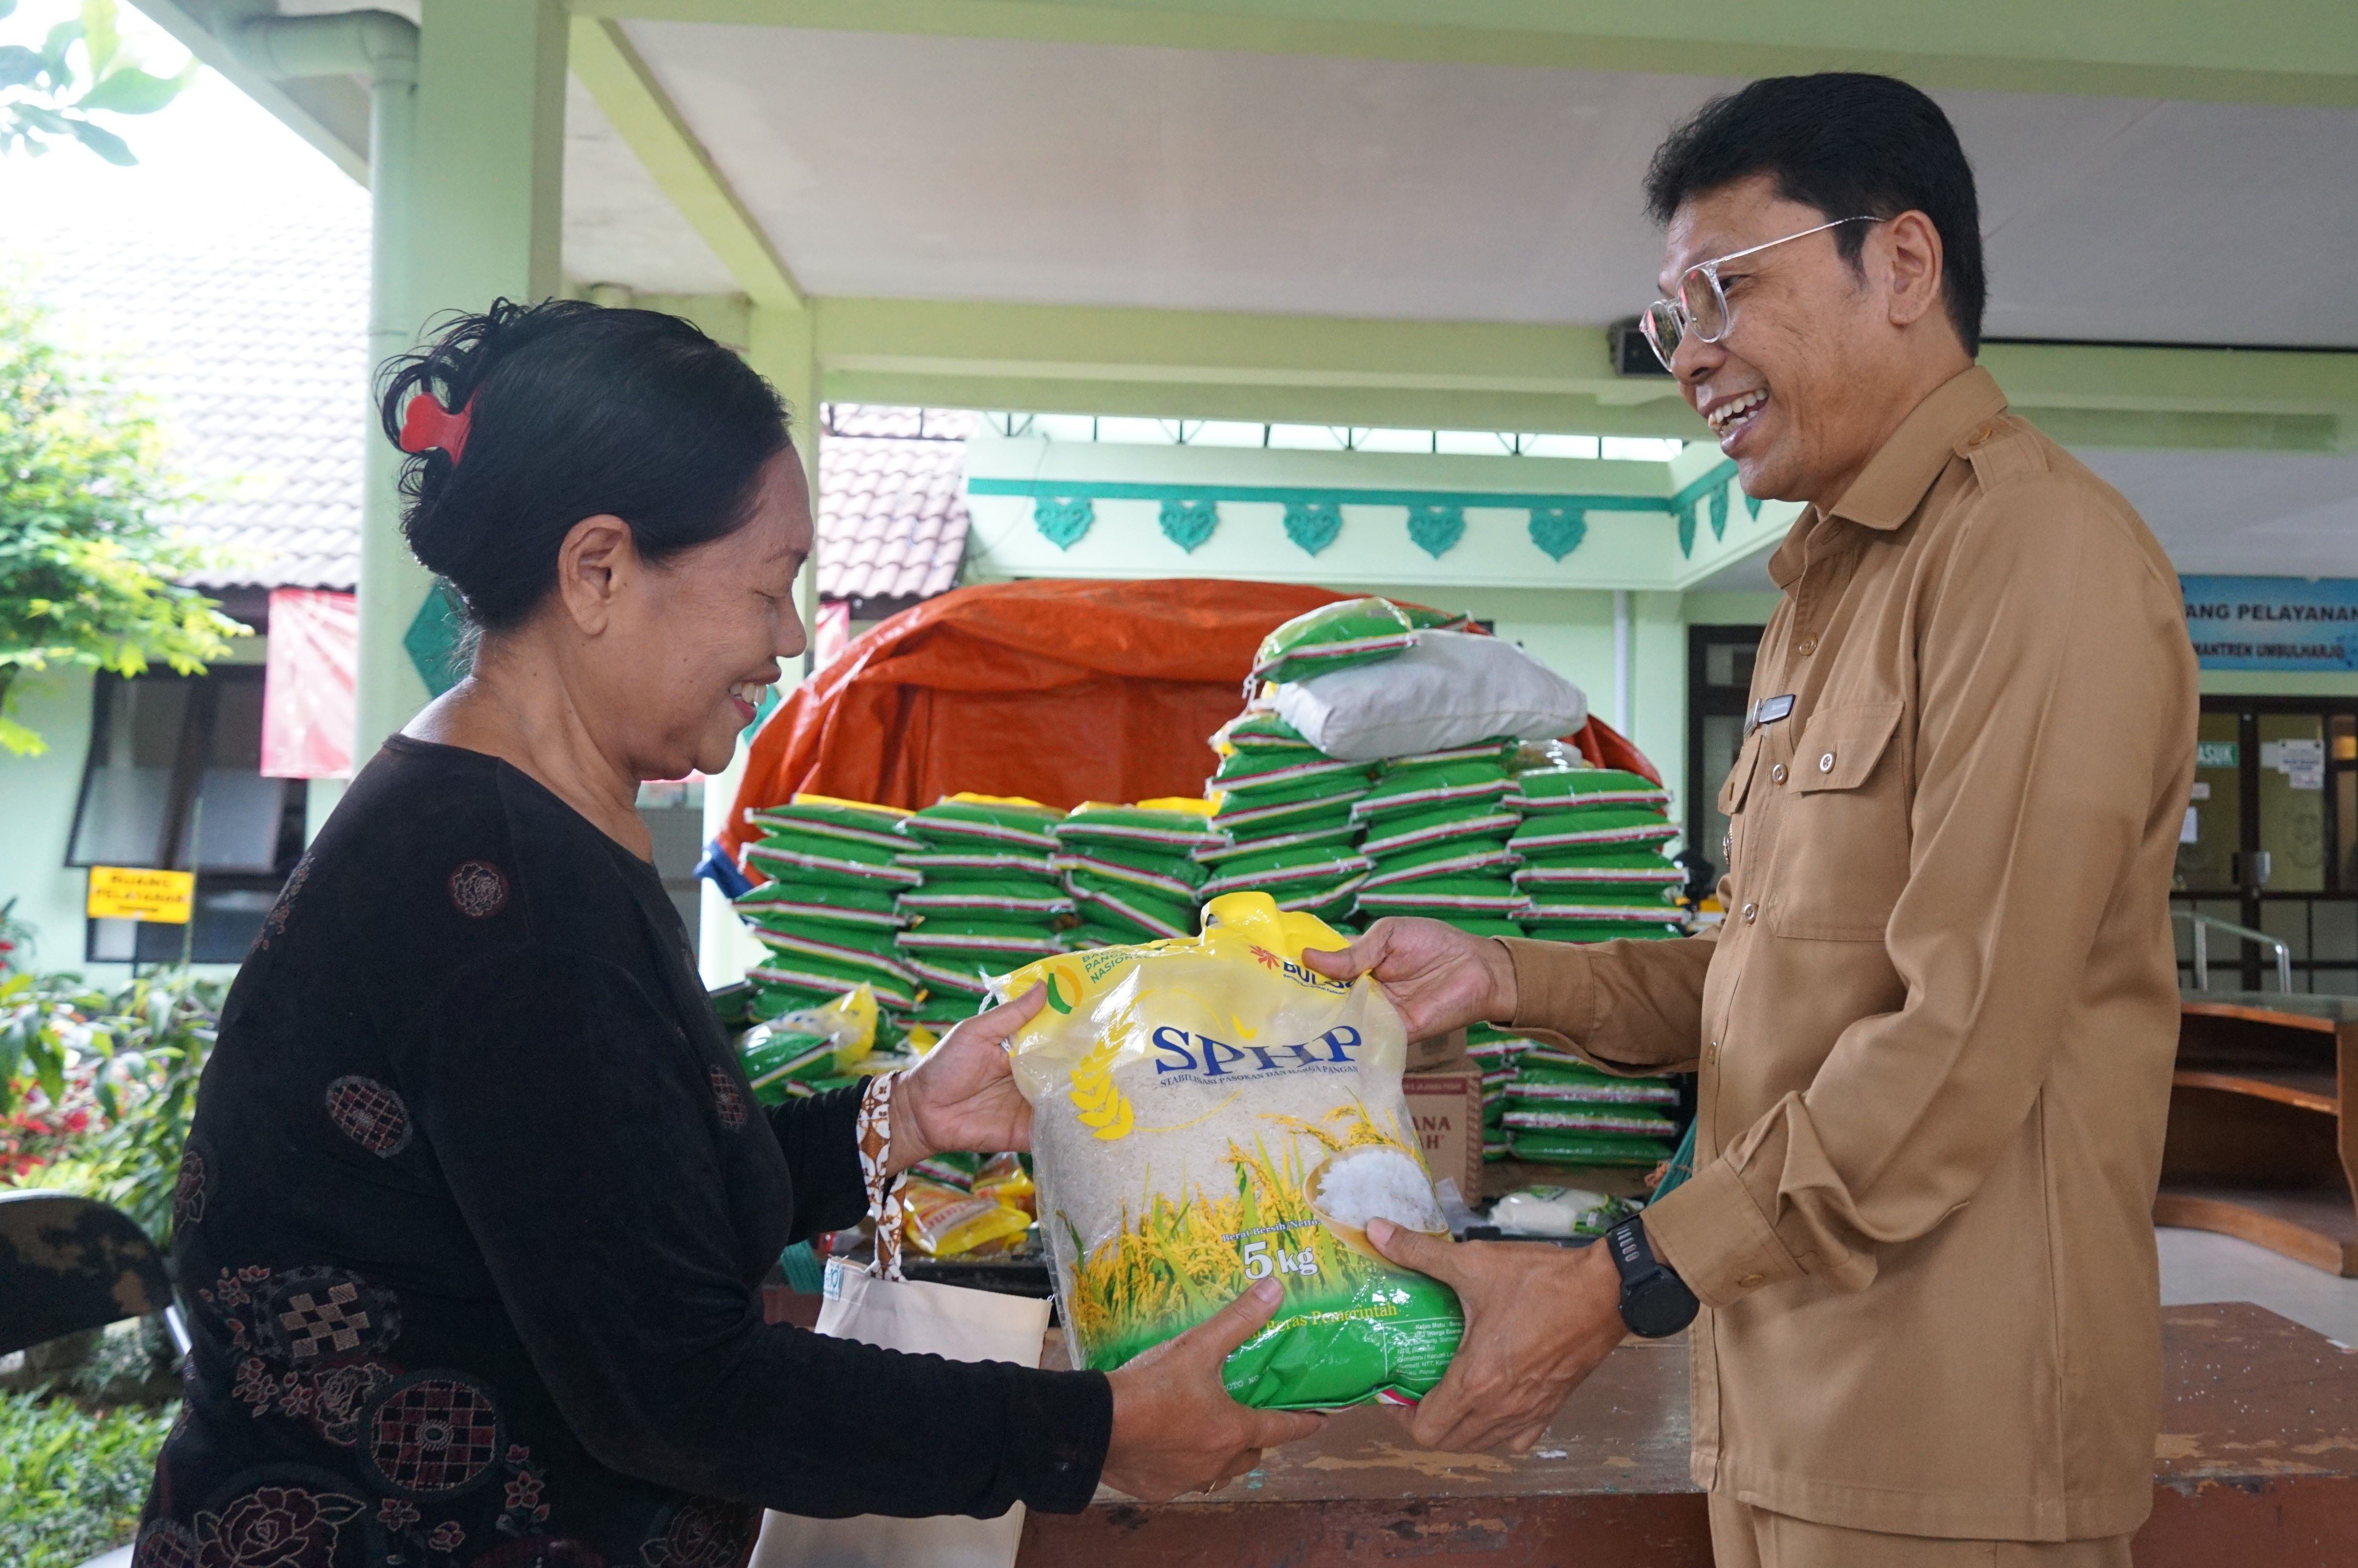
[[2000, 451]]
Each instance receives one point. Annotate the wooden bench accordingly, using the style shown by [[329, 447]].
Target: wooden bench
[[2258, 1465]]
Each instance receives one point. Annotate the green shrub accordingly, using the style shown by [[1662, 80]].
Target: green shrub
[[72, 1480]]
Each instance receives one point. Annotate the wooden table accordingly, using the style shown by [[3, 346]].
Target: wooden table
[[2263, 1143], [2258, 1464]]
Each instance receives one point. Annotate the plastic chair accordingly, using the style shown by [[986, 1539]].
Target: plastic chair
[[71, 1263]]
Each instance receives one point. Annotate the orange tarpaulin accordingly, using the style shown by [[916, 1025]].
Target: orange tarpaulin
[[1063, 691]]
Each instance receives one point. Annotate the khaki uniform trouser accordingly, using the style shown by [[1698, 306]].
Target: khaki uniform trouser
[[1743, 1536]]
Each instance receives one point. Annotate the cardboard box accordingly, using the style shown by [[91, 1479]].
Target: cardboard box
[[1442, 1053], [1447, 1109]]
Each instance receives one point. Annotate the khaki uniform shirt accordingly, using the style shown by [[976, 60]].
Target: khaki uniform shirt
[[1935, 1033]]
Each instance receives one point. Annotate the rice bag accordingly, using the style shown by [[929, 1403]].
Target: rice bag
[[955, 820], [1252, 774], [945, 938], [1445, 824], [828, 863], [1572, 788], [817, 816], [943, 1222], [1209, 1112], [1220, 851], [1609, 827], [1285, 871], [1464, 859], [1443, 896], [1151, 916], [1175, 825], [985, 898], [1334, 637], [1006, 1178], [977, 863], [1257, 729], [1166, 875], [1473, 788], [788, 904]]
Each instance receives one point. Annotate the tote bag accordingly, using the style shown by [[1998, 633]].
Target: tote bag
[[922, 1316]]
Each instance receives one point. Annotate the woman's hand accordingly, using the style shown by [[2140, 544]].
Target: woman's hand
[[962, 1097], [1438, 976], [1175, 1427]]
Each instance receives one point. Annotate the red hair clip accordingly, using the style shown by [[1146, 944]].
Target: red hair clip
[[427, 426]]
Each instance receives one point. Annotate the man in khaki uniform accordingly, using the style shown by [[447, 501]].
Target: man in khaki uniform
[[1935, 1033]]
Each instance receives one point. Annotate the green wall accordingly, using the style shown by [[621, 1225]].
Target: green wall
[[37, 801]]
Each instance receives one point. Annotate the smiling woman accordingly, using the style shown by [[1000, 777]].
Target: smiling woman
[[478, 1200]]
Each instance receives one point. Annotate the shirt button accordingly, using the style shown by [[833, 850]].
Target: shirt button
[[1777, 773], [1711, 1052], [1826, 763], [1749, 1280], [1751, 910], [1806, 646]]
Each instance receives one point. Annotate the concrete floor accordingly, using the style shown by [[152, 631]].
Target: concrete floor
[[2200, 1266]]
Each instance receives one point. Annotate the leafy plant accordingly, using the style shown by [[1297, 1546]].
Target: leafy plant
[[72, 1480], [87, 571], [103, 1088], [47, 96]]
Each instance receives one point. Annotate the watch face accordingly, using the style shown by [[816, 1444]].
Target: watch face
[[1657, 1307]]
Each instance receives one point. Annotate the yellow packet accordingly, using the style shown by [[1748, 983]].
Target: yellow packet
[[942, 1222], [1003, 1177]]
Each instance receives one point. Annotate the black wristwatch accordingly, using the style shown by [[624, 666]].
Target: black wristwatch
[[1655, 1303]]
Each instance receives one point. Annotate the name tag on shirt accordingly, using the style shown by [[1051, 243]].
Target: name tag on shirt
[[1768, 711]]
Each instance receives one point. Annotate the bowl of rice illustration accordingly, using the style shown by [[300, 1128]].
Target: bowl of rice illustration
[[1375, 1181]]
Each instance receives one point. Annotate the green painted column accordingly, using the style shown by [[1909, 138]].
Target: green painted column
[[478, 220]]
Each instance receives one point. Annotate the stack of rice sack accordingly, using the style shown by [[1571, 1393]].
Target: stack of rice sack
[[992, 898], [1499, 1055], [1284, 824], [1437, 831], [1561, 1110], [1591, 846], [827, 914], [1131, 871]]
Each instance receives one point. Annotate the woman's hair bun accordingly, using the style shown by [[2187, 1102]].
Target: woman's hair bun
[[571, 410]]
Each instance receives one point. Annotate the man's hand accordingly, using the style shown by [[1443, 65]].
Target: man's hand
[[962, 1098], [1539, 1319], [1438, 976]]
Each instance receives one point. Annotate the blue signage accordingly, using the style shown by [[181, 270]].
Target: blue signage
[[2273, 623]]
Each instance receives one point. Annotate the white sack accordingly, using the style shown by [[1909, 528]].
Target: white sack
[[1452, 689]]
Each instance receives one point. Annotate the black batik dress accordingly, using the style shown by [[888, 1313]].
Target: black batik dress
[[473, 1221]]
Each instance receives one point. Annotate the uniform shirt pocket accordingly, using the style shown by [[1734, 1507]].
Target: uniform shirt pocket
[[1843, 845]]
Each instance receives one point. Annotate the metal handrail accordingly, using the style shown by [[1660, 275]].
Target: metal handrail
[[2201, 923]]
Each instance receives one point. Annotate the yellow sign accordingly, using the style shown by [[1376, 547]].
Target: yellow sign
[[131, 892]]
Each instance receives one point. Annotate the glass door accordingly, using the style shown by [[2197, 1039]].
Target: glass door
[[2268, 842], [1719, 685]]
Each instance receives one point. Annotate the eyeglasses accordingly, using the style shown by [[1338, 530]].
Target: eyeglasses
[[1702, 305]]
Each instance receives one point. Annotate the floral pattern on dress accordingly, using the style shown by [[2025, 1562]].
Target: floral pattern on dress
[[523, 1510], [188, 1192], [274, 1527], [430, 1435], [479, 889], [729, 1101], [274, 924], [307, 1342], [370, 1114], [702, 1532], [165, 1544]]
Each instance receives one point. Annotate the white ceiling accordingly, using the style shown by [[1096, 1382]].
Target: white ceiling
[[619, 227], [1100, 174]]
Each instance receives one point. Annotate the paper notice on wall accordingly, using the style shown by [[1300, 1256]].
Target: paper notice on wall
[[2302, 762]]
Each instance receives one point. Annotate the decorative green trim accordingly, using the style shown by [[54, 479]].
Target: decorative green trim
[[1313, 525], [1557, 531], [1063, 519], [1188, 523], [1435, 527], [436, 640], [1189, 514]]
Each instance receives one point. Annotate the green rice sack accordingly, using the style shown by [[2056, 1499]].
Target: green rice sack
[[1491, 895], [1211, 1113], [1334, 637], [980, 862], [798, 859], [1543, 925], [1536, 1087], [1152, 918], [1257, 729], [1326, 901], [792, 904], [956, 974], [1250, 774], [1277, 871], [1424, 619], [1634, 871], [946, 940], [1467, 858], [1585, 1148], [1262, 817], [1400, 834], [1165, 875], [1017, 898], [1220, 850], [1499, 749], [1453, 784], [815, 817], [1481, 925], [1603, 828], [819, 980], [853, 945], [1573, 789], [1096, 933], [1094, 824], [960, 820]]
